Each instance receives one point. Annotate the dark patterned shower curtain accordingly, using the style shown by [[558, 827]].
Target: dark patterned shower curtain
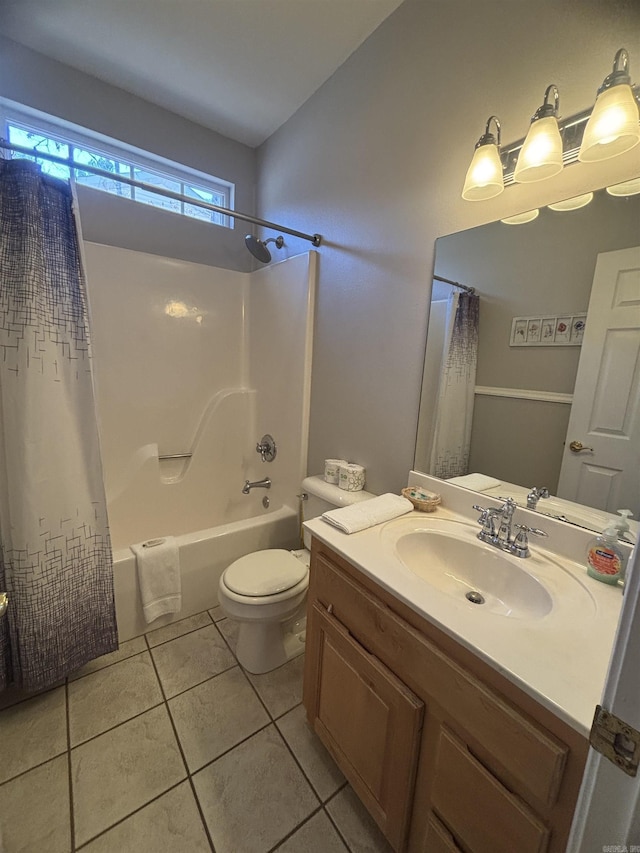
[[452, 437], [55, 552]]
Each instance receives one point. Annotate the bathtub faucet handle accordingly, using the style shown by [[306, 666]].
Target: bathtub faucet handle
[[266, 447]]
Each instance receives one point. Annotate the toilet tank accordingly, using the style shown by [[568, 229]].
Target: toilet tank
[[324, 496]]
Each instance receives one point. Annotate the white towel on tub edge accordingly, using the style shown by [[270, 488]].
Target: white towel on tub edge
[[159, 580]]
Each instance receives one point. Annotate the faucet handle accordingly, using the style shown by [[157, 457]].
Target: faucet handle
[[535, 530], [520, 545], [487, 511], [484, 513], [535, 494], [487, 520]]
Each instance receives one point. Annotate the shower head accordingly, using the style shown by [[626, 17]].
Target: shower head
[[259, 249]]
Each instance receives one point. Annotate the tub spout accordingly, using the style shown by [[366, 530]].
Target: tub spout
[[259, 484]]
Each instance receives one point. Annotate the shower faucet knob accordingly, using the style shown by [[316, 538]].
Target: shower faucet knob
[[267, 449]]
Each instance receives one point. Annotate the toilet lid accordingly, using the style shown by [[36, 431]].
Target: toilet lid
[[265, 573]]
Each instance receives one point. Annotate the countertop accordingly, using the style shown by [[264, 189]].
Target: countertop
[[559, 659]]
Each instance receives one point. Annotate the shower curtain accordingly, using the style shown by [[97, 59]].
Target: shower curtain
[[452, 435], [55, 552]]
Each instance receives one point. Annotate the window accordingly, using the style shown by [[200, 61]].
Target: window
[[116, 158]]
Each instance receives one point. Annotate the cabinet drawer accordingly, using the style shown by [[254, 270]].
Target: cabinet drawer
[[368, 720], [526, 756], [465, 793]]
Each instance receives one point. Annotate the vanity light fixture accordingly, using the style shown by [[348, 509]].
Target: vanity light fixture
[[574, 203], [484, 175], [608, 128], [626, 188], [541, 155], [613, 126], [521, 218]]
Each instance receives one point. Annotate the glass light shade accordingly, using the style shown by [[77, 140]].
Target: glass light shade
[[626, 188], [574, 203], [521, 218], [484, 176], [613, 127], [541, 154]]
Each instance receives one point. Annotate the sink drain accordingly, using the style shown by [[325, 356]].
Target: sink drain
[[475, 597]]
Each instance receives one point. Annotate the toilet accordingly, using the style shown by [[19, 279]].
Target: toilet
[[266, 591]]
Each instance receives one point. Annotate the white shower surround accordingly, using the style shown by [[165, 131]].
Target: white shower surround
[[196, 359]]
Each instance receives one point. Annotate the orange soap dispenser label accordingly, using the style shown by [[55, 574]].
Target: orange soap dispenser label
[[604, 562]]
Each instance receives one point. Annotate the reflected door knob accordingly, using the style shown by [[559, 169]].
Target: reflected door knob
[[578, 446]]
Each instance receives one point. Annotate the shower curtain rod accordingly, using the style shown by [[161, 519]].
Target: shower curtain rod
[[315, 239], [455, 284]]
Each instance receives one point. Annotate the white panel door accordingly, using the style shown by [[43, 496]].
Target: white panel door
[[605, 416]]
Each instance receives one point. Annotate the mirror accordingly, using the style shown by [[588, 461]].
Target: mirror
[[524, 394]]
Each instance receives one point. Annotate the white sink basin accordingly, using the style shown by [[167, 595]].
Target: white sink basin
[[446, 554], [485, 576]]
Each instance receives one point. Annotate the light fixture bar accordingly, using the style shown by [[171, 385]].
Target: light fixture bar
[[571, 131]]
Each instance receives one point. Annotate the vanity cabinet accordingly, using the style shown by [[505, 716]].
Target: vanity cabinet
[[445, 753]]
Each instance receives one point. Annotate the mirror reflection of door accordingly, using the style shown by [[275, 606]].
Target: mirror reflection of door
[[605, 415]]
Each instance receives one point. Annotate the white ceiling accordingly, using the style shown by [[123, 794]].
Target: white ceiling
[[241, 67]]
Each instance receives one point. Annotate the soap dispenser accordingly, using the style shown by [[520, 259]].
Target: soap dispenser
[[622, 524], [605, 560]]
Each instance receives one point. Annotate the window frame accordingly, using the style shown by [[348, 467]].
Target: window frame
[[65, 133]]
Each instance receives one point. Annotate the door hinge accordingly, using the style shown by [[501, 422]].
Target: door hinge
[[616, 740]]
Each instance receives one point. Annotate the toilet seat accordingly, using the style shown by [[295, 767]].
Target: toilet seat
[[264, 573]]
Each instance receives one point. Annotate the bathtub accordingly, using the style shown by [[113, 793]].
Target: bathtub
[[204, 555]]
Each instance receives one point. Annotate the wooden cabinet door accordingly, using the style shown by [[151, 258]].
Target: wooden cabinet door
[[368, 720]]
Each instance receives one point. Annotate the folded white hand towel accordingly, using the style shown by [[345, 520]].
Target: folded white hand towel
[[351, 519], [477, 482], [158, 565]]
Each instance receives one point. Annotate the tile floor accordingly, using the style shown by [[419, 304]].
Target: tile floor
[[168, 745]]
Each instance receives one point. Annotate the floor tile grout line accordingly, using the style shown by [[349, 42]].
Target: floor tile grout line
[[72, 825], [33, 695], [130, 814], [162, 702], [200, 683], [178, 636], [231, 748], [135, 654], [334, 823], [271, 722], [184, 758], [294, 830], [255, 690], [106, 666], [288, 711], [295, 758], [247, 674], [34, 767], [117, 725], [201, 813]]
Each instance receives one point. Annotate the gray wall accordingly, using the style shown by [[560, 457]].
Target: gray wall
[[31, 79], [375, 161]]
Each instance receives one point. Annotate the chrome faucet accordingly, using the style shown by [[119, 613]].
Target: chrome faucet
[[535, 494], [506, 522], [259, 484], [503, 538]]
